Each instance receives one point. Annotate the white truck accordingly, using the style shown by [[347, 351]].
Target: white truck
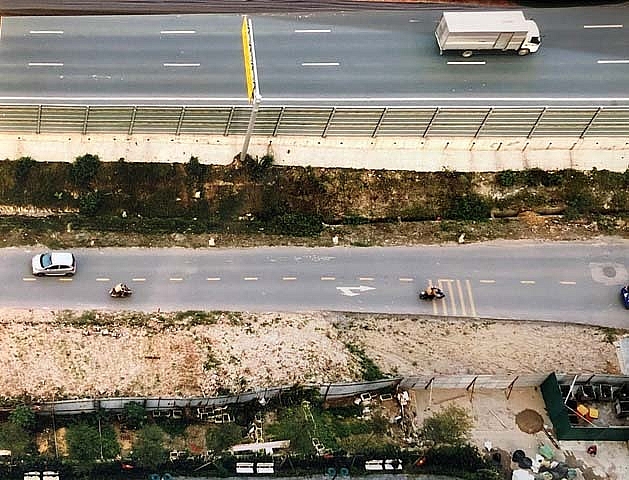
[[468, 32]]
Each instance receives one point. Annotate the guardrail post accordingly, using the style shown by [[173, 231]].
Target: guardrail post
[[587, 127], [375, 130], [539, 117], [229, 121], [278, 121], [432, 119], [482, 124], [510, 387], [87, 114], [132, 122], [181, 114], [327, 125], [39, 110]]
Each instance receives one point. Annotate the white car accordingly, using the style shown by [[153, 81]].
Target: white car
[[54, 263]]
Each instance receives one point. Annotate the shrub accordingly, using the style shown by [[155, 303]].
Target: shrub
[[533, 177], [470, 206], [134, 415], [257, 168], [221, 437], [298, 225], [15, 438], [86, 444], [451, 425], [90, 203], [579, 203], [23, 167], [369, 370], [506, 178], [195, 169], [84, 170], [149, 449], [24, 417], [460, 460]]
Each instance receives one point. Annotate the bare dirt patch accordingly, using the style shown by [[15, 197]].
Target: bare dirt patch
[[45, 358]]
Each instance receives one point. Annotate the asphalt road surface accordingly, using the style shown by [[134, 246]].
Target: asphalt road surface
[[372, 58], [559, 282]]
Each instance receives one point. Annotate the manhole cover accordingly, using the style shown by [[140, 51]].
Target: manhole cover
[[529, 421], [609, 272]]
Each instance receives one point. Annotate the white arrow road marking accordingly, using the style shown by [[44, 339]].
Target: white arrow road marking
[[349, 291]]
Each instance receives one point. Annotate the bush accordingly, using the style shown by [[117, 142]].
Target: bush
[[149, 449], [134, 415], [506, 178], [369, 370], [219, 438], [86, 444], [195, 169], [90, 203], [257, 169], [298, 225], [451, 425], [579, 203], [461, 460], [15, 438], [84, 170], [23, 167], [23, 417], [469, 207]]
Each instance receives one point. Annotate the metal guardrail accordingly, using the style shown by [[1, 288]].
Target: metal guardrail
[[526, 122]]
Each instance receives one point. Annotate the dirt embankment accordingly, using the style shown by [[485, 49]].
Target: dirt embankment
[[61, 355]]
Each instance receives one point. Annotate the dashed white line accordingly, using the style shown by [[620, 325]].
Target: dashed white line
[[45, 64], [213, 279], [28, 279], [250, 279], [613, 61], [406, 279], [487, 281], [102, 279], [65, 279], [617, 25], [365, 279], [177, 32], [140, 279], [323, 30], [567, 283], [182, 64], [482, 62], [288, 279], [527, 282], [328, 278], [46, 32], [320, 64], [176, 279]]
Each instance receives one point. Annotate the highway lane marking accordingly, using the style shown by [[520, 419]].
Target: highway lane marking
[[46, 32], [617, 25], [176, 279], [177, 32], [613, 61], [65, 279], [28, 279], [460, 291], [45, 64], [527, 282], [182, 64], [102, 279], [468, 285], [213, 279], [138, 279], [322, 30], [481, 62], [365, 279], [487, 281], [289, 279], [406, 279], [567, 283], [250, 279], [328, 278], [320, 64]]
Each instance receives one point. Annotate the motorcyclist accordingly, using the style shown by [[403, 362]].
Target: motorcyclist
[[120, 289]]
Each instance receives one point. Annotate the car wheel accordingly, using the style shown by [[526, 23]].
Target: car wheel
[[467, 53], [69, 274], [38, 274]]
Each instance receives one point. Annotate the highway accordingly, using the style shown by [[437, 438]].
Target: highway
[[357, 58], [558, 282]]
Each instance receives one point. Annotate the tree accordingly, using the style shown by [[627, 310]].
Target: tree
[[223, 436], [84, 170], [15, 438], [134, 415], [85, 442], [24, 417], [149, 447], [451, 426]]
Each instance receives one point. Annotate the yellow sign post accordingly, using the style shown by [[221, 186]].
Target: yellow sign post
[[251, 79]]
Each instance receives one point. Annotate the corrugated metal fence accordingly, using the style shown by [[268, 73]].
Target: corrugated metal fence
[[526, 122], [329, 391]]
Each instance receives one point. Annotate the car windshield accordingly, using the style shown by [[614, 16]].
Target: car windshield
[[46, 260]]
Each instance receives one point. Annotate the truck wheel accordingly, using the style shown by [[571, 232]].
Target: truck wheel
[[523, 51], [467, 53]]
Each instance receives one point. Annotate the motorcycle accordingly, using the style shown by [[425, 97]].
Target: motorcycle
[[432, 294], [120, 291]]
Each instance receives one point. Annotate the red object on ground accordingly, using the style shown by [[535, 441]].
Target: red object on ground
[[592, 450]]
